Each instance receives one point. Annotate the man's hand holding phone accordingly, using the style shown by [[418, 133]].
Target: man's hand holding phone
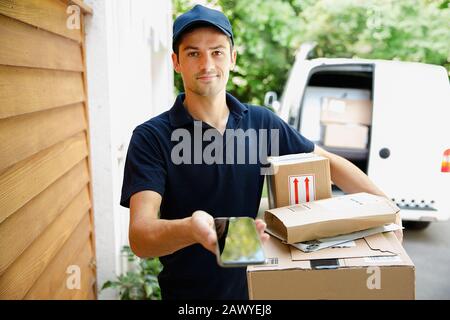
[[204, 232]]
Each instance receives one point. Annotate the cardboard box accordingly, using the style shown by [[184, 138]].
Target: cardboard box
[[330, 217], [345, 135], [377, 268], [298, 178], [346, 111]]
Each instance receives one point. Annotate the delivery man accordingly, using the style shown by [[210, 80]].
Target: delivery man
[[172, 187]]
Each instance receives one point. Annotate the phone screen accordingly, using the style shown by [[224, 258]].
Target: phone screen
[[238, 242]]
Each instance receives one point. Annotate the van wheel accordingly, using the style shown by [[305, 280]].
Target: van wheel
[[416, 225]]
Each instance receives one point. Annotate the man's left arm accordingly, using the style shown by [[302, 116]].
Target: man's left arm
[[350, 179]]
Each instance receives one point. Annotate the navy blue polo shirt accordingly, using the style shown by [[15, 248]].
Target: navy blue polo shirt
[[231, 187]]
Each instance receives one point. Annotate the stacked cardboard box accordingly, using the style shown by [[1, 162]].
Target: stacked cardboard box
[[345, 123], [376, 268], [373, 267], [330, 217], [298, 178]]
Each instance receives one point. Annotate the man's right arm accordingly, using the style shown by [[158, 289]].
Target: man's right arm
[[153, 237]]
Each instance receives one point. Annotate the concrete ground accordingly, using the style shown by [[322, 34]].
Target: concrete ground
[[429, 249]]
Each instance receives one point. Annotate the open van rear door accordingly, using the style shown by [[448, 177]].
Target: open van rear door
[[410, 133]]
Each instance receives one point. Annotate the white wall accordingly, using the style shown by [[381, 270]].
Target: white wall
[[130, 79]]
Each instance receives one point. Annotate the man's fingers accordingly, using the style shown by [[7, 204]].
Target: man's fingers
[[264, 237], [212, 237], [260, 225], [204, 223], [208, 231], [211, 242], [204, 230]]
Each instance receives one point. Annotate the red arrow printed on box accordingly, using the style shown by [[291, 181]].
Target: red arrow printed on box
[[296, 190], [301, 189], [307, 189]]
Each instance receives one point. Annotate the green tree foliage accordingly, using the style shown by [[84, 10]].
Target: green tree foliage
[[268, 33], [408, 30]]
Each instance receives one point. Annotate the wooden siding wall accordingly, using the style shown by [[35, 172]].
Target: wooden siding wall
[[46, 218]]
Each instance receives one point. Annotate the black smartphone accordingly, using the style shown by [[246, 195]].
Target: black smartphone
[[238, 242]]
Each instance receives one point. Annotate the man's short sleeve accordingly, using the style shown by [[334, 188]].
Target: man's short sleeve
[[144, 166], [291, 141]]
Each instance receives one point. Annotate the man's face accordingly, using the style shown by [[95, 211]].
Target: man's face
[[204, 61]]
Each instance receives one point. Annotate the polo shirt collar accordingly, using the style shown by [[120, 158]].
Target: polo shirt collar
[[179, 116]]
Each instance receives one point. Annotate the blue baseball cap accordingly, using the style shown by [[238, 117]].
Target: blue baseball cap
[[200, 15]]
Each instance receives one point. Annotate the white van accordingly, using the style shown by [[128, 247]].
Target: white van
[[409, 131]]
